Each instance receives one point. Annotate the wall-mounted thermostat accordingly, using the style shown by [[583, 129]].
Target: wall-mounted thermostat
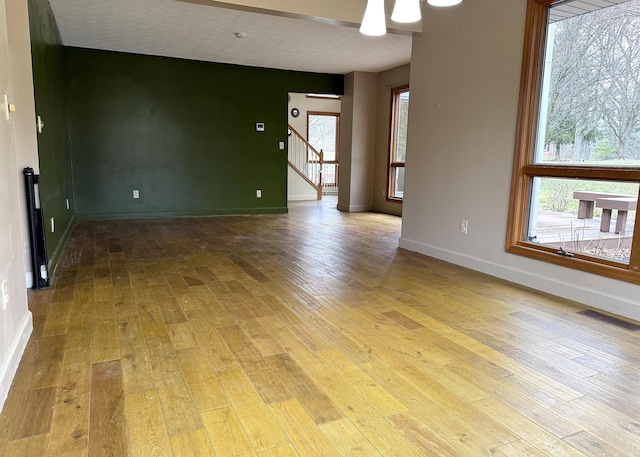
[[259, 126]]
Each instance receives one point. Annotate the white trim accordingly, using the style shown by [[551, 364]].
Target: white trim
[[296, 198], [10, 363], [29, 278], [590, 297], [354, 208]]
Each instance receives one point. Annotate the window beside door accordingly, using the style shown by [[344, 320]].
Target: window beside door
[[398, 142], [323, 133]]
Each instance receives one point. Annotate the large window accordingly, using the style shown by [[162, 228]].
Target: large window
[[398, 142], [577, 167], [323, 134]]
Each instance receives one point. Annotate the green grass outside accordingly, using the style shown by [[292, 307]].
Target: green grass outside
[[557, 194]]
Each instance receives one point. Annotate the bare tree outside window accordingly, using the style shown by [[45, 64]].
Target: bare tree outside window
[[323, 134], [594, 87]]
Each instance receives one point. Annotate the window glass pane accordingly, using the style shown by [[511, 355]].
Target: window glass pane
[[595, 218], [402, 116], [323, 134], [590, 101], [397, 188]]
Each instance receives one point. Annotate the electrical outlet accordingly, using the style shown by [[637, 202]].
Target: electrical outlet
[[464, 225], [259, 193], [136, 193], [281, 145], [4, 294], [53, 225]]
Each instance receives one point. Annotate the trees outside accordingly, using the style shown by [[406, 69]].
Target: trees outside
[[594, 86]]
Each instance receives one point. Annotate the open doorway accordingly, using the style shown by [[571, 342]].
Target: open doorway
[[313, 147]]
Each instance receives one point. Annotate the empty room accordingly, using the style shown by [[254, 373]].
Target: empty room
[[338, 228]]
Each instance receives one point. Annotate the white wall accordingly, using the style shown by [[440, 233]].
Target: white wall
[[297, 188], [306, 104], [387, 80], [465, 76], [15, 321]]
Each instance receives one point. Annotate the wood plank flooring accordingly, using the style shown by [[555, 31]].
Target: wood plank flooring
[[307, 334]]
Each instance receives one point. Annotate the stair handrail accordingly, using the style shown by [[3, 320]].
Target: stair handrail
[[305, 141], [318, 159]]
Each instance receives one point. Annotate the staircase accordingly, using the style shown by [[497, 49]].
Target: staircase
[[309, 164]]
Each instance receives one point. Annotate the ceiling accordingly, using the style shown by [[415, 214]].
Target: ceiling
[[207, 30], [574, 8], [208, 33]]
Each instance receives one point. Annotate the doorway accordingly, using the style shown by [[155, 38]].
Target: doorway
[[323, 133]]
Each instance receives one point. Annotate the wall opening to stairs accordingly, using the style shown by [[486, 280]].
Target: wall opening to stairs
[[304, 170]]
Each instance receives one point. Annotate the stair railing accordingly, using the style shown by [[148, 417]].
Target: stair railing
[[305, 160]]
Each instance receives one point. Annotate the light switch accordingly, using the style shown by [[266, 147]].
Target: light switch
[[4, 294], [8, 108]]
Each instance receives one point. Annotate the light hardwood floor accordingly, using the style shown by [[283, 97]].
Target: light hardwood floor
[[307, 334]]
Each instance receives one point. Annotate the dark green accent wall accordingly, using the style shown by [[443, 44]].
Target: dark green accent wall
[[181, 132], [53, 143]]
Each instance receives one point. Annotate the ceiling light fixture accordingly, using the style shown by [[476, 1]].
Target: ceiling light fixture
[[374, 22], [404, 11]]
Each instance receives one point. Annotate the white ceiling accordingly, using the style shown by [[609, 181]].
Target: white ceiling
[[574, 8], [202, 32]]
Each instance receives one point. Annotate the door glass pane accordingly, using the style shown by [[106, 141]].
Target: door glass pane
[[590, 101], [595, 218], [402, 117], [397, 188], [323, 131]]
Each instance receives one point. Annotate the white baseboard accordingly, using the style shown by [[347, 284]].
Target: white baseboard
[[585, 295], [298, 198], [354, 208], [14, 354]]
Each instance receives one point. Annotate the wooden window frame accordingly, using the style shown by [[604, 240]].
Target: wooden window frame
[[524, 169], [392, 164], [337, 116]]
